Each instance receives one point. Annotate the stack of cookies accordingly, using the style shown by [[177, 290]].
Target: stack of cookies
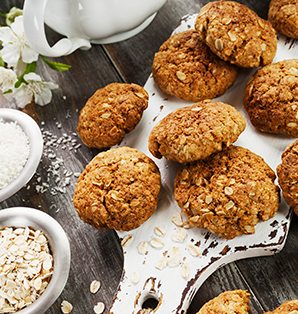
[[221, 187], [119, 188], [202, 64]]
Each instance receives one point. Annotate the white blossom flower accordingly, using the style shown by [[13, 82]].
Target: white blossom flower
[[15, 44], [7, 79], [36, 89]]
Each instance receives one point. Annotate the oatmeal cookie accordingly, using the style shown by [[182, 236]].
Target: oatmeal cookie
[[186, 68], [111, 113], [228, 302], [227, 193], [287, 173], [195, 132], [289, 307], [118, 190], [271, 98], [237, 34], [283, 15]]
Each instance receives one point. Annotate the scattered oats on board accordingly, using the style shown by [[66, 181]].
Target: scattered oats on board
[[194, 250], [66, 307], [177, 220], [157, 243], [94, 286], [25, 267], [174, 257], [142, 248], [162, 263], [135, 277], [99, 308], [180, 235], [127, 240], [159, 231], [185, 270]]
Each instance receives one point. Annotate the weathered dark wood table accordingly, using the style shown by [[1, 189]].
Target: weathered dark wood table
[[97, 254]]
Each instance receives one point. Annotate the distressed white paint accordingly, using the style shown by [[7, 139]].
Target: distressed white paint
[[167, 285]]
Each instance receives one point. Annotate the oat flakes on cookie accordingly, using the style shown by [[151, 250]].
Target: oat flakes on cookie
[[283, 15], [228, 302], [111, 113], [227, 193], [288, 307], [287, 173], [118, 190], [237, 34], [271, 98], [186, 68], [195, 132]]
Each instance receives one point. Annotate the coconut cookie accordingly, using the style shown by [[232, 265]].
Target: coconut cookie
[[237, 34], [227, 193], [118, 190], [287, 173], [195, 132], [111, 113], [283, 15], [186, 68], [271, 98], [228, 302]]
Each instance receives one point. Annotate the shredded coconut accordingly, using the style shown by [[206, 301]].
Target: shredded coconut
[[56, 169], [14, 151]]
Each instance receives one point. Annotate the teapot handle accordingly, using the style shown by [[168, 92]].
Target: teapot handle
[[33, 17]]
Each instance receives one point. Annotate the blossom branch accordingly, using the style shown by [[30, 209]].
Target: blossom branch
[[18, 81]]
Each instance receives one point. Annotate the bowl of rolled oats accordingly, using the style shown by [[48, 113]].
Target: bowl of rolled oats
[[34, 260]]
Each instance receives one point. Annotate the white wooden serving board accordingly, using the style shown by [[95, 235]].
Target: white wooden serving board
[[173, 292]]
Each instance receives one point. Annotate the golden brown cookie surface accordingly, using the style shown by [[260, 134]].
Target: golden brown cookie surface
[[111, 113], [227, 193], [118, 190], [287, 173], [283, 15], [289, 307], [228, 302], [186, 68], [195, 132], [271, 98], [237, 34]]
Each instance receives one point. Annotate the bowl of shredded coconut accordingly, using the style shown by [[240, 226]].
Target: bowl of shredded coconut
[[35, 260], [21, 147]]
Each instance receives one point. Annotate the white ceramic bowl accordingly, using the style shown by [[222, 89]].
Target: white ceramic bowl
[[33, 132], [59, 246]]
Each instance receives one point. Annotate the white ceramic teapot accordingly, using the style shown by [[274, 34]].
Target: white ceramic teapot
[[84, 22]]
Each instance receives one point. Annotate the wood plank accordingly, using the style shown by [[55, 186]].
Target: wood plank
[[95, 254]]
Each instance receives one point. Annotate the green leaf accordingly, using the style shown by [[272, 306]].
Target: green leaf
[[56, 65], [2, 63], [29, 68], [7, 92]]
